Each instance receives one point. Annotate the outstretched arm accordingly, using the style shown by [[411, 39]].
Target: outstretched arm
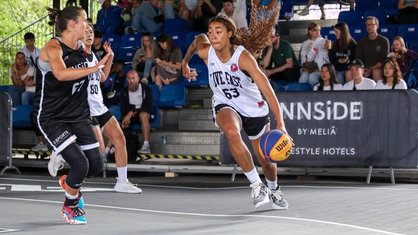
[[200, 45]]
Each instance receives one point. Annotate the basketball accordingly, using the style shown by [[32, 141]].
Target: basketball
[[275, 146]]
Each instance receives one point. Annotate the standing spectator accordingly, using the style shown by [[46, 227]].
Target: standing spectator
[[144, 57], [279, 60], [404, 56], [146, 17], [97, 47], [314, 49], [204, 10], [236, 15], [392, 77], [328, 81], [136, 107], [168, 61], [109, 17], [359, 82], [372, 49], [343, 50], [305, 11], [408, 11], [22, 74], [30, 50]]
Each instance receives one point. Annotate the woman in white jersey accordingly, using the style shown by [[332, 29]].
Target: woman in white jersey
[[236, 81], [102, 118]]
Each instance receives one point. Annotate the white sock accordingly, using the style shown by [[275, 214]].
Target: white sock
[[107, 150], [69, 196], [253, 176], [122, 174], [146, 143], [272, 184]]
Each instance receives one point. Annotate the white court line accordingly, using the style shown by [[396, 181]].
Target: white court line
[[215, 215]]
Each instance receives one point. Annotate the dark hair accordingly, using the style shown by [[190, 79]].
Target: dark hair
[[342, 44], [224, 1], [166, 38], [29, 35], [60, 18], [98, 33], [333, 77], [397, 74]]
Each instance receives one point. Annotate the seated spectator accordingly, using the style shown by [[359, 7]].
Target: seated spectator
[[404, 56], [392, 77], [144, 57], [97, 47], [408, 11], [204, 10], [343, 50], [136, 107], [279, 60], [372, 49], [22, 74], [109, 17], [236, 15], [359, 82], [168, 62], [314, 49], [185, 8], [147, 18], [166, 7], [328, 81], [30, 50], [114, 83]]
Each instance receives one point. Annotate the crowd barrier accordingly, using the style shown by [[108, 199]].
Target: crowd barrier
[[348, 129]]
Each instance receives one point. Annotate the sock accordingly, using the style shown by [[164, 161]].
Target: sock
[[146, 143], [122, 174], [107, 150], [253, 176], [272, 184]]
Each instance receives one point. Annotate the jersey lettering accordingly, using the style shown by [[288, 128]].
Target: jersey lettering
[[77, 86], [224, 78]]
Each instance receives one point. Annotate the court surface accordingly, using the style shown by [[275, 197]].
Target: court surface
[[208, 204]]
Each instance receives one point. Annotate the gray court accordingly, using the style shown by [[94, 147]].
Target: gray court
[[208, 204]]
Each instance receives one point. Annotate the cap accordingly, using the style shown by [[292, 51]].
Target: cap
[[357, 63]]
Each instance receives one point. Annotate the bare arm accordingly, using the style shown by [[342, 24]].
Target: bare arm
[[200, 45], [108, 64]]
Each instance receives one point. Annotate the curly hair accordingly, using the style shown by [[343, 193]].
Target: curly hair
[[255, 38]]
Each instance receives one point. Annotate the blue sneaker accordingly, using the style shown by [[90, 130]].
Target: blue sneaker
[[73, 214]]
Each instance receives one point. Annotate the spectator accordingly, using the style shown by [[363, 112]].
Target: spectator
[[343, 50], [328, 81], [97, 47], [109, 18], [167, 8], [279, 60], [22, 74], [359, 82], [372, 49], [204, 10], [405, 57], [305, 11], [185, 8], [408, 11], [30, 50], [168, 62], [392, 77], [136, 107], [143, 60], [146, 17], [314, 49], [114, 83], [236, 15]]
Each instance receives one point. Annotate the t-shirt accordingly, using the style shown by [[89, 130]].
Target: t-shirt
[[400, 86], [336, 87], [365, 84], [135, 97]]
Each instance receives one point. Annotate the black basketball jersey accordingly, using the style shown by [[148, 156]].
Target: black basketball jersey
[[63, 100]]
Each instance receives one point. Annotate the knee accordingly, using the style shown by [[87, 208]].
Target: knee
[[95, 161]]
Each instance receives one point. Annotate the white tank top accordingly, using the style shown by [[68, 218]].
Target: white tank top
[[232, 87], [94, 92]]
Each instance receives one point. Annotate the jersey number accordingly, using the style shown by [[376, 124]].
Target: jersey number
[[94, 89], [231, 93]]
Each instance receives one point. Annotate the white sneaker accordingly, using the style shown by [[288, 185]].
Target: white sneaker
[[40, 147], [144, 80], [260, 194], [145, 149], [304, 12], [126, 187], [56, 163]]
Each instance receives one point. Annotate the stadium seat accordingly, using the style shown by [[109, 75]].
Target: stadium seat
[[358, 32], [388, 30], [328, 32], [294, 86], [21, 116], [154, 120], [409, 32], [178, 38], [202, 78], [126, 55], [130, 41], [115, 110], [177, 25], [155, 94], [127, 67], [351, 18], [413, 45], [114, 40], [172, 96], [362, 5], [278, 85], [190, 37], [4, 88], [379, 13], [391, 6]]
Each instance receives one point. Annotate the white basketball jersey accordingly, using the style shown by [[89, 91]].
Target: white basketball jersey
[[95, 97], [232, 87]]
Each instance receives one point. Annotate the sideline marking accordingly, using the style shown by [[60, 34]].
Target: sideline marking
[[8, 230], [215, 215]]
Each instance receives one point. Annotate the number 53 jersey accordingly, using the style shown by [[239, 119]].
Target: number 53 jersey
[[231, 86]]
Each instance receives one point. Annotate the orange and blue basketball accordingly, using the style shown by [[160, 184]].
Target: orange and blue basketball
[[275, 146]]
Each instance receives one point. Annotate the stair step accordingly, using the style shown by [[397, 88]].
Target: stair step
[[195, 114], [197, 125]]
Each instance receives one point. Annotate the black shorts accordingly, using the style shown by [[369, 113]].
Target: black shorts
[[102, 119], [253, 126]]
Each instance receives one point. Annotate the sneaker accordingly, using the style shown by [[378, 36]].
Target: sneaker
[[126, 187], [322, 17], [56, 163], [74, 214], [40, 147], [144, 80], [304, 12], [260, 194], [61, 181], [277, 197], [145, 149]]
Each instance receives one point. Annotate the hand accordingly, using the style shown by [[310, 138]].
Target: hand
[[108, 48], [157, 60], [126, 121]]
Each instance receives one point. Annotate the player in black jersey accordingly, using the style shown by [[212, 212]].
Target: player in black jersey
[[61, 107]]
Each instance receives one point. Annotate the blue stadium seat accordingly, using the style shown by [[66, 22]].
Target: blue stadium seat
[[351, 18], [126, 68], [178, 38], [21, 116], [115, 110], [328, 32], [413, 45], [294, 86], [126, 55], [278, 85], [155, 94], [172, 96], [202, 78], [358, 32], [175, 25], [388, 30], [114, 40], [379, 13], [190, 37], [195, 60], [409, 32], [362, 5], [4, 88], [130, 41], [391, 6], [154, 120]]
